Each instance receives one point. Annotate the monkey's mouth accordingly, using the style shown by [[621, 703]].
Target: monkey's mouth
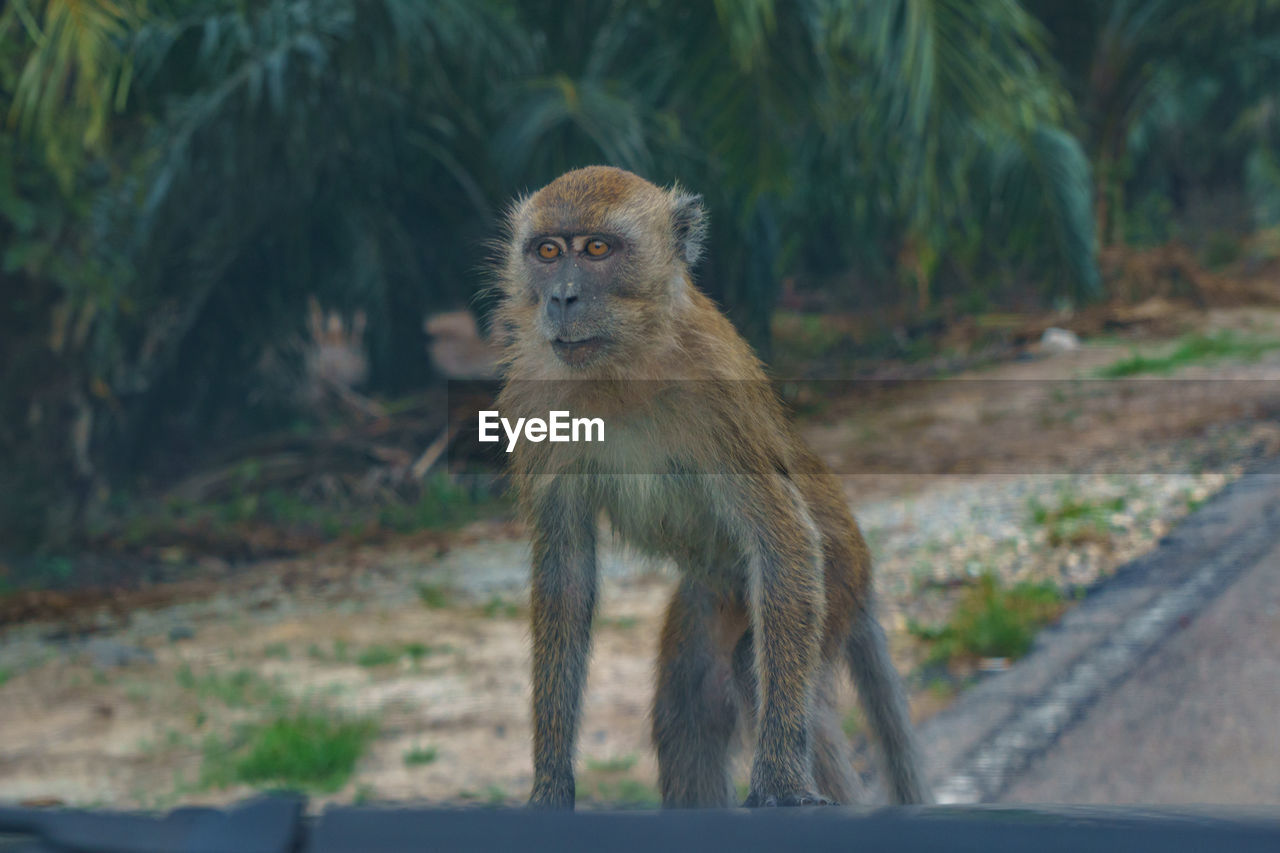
[[577, 352]]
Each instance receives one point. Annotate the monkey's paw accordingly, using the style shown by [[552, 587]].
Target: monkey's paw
[[787, 800]]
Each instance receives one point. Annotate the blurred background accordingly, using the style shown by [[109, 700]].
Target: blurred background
[[244, 245]]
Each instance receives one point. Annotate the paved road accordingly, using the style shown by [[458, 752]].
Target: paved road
[[1197, 722], [1162, 687]]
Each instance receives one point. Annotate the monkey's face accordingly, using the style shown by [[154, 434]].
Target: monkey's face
[[576, 281], [595, 264]]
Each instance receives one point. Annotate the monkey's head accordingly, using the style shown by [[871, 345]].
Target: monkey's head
[[595, 264]]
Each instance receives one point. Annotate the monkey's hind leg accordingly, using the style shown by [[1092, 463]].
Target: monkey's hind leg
[[885, 706], [695, 708]]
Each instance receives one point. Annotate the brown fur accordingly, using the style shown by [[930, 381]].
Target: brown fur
[[699, 464]]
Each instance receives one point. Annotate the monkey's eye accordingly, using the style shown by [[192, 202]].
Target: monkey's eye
[[597, 248], [548, 250]]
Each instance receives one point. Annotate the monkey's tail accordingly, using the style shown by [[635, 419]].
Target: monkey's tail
[[885, 706]]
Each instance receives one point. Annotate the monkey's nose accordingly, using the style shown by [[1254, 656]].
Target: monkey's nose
[[562, 305]]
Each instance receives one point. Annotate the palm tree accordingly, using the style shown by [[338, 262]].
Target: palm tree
[[249, 155], [859, 125], [1148, 74]]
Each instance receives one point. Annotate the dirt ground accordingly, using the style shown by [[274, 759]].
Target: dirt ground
[[129, 710]]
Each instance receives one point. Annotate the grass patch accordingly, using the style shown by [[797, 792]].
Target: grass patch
[[305, 751], [419, 756], [806, 337], [499, 608], [621, 764], [375, 656], [276, 651], [1076, 522], [240, 689], [623, 794], [435, 596], [261, 513], [992, 621], [443, 504], [1191, 349], [5, 675]]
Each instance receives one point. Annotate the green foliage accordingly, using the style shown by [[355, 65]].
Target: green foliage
[[435, 596], [5, 675], [243, 688], [1174, 95], [1075, 522], [381, 655], [992, 621], [305, 751], [1192, 349], [620, 764], [291, 521], [79, 57], [624, 793], [376, 656], [964, 136], [442, 504], [182, 175], [419, 756], [499, 608]]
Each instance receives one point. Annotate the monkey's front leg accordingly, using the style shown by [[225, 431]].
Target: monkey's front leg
[[787, 609], [562, 601]]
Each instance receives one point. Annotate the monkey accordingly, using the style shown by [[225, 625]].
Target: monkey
[[702, 466]]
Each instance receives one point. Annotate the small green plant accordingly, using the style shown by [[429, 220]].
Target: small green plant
[[942, 688], [1191, 349], [240, 689], [305, 751], [621, 764], [1075, 521], [420, 755], [442, 504], [277, 651], [5, 675], [992, 621], [418, 651], [434, 596], [624, 793], [621, 623], [499, 608], [494, 795], [375, 656], [1222, 250]]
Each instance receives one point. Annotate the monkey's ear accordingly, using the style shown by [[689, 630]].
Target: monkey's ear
[[688, 224]]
